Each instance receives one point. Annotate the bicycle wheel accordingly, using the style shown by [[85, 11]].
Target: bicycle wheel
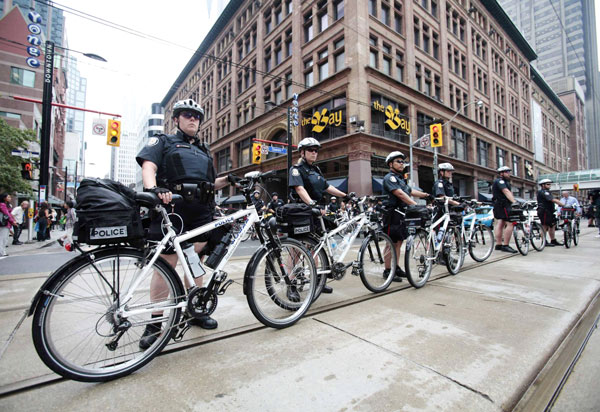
[[74, 330], [247, 235], [521, 239], [567, 234], [537, 236], [418, 259], [481, 244], [575, 233], [280, 283], [372, 256], [322, 262], [453, 248]]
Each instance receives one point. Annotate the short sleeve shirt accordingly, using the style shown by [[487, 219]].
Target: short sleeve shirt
[[310, 177], [544, 199], [498, 196], [392, 182], [443, 187]]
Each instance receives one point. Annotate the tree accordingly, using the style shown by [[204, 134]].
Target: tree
[[11, 139]]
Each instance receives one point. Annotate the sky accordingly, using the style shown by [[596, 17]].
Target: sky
[[139, 71]]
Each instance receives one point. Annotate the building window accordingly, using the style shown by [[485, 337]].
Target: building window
[[223, 160], [500, 157], [323, 21], [482, 153], [516, 162], [244, 152], [308, 74], [338, 9], [385, 14], [22, 77], [323, 70], [373, 8], [340, 55], [308, 27], [327, 120], [460, 144], [400, 67]]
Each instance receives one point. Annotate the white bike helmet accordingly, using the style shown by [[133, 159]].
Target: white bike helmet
[[544, 181], [394, 155], [503, 169], [308, 142], [188, 105], [445, 166]]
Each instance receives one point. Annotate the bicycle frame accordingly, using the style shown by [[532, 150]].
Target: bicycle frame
[[441, 223], [249, 212], [360, 219], [468, 235]]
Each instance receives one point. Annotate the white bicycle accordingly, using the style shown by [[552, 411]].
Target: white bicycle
[[90, 314]]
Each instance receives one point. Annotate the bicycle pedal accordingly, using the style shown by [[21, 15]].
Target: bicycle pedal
[[224, 287]]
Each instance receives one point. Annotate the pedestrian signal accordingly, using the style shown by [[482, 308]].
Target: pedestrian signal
[[576, 187], [113, 133], [27, 171], [435, 132], [256, 153]]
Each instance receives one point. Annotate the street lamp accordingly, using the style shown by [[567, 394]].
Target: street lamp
[[47, 114]]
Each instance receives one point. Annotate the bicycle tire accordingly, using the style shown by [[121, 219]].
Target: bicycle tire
[[322, 262], [567, 233], [418, 259], [521, 240], [372, 274], [537, 235], [271, 297], [75, 313], [576, 233], [482, 239], [455, 254]]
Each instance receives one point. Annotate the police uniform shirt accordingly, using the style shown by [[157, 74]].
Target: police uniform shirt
[[544, 199], [178, 161], [443, 187], [334, 207], [391, 182], [258, 203], [310, 177], [497, 195], [275, 204]]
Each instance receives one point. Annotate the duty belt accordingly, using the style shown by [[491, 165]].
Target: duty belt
[[203, 191]]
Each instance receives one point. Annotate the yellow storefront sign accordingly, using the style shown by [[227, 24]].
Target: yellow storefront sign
[[394, 121], [320, 120]]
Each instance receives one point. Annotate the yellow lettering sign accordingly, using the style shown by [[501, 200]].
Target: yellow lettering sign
[[394, 121], [320, 120]]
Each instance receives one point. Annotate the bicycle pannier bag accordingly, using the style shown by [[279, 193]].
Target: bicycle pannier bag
[[106, 214], [516, 215], [417, 216], [295, 218]]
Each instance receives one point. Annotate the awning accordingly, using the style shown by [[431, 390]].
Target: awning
[[377, 183], [339, 183], [234, 200]]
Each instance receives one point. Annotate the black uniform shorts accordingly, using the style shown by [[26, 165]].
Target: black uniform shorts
[[547, 217], [395, 226], [501, 211], [193, 213]]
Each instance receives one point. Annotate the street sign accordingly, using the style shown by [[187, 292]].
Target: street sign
[[26, 154], [277, 149], [99, 127], [264, 149], [30, 212], [424, 142], [42, 193]]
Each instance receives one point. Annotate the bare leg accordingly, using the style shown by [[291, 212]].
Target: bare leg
[[508, 229], [498, 231]]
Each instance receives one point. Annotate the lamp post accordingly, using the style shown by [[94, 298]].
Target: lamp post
[[47, 115]]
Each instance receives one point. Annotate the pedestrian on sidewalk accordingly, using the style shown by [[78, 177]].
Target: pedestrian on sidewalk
[[42, 222], [7, 221], [69, 221], [19, 213]]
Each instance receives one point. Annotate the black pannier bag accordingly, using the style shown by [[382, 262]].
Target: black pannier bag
[[456, 214], [417, 216], [295, 218], [516, 215], [107, 214]]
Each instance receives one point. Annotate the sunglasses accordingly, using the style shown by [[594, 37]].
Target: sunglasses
[[312, 150], [399, 161], [191, 115]]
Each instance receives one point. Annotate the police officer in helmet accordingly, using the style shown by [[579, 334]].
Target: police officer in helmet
[[503, 199], [545, 210], [180, 163], [333, 205], [443, 186], [399, 198], [307, 183], [275, 203]]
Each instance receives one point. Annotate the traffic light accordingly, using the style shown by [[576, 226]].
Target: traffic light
[[256, 153], [113, 133], [27, 171], [576, 187], [435, 132]]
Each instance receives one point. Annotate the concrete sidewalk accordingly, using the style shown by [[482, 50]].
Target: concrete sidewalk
[[33, 245], [471, 342]]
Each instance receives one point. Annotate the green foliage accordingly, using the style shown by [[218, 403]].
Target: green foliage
[[11, 139]]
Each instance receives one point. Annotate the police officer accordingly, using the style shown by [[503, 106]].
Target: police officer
[[181, 164], [333, 205], [307, 183], [259, 204], [503, 199], [546, 209], [275, 203], [443, 186], [398, 193]]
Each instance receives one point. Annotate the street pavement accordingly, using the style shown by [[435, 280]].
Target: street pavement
[[471, 342]]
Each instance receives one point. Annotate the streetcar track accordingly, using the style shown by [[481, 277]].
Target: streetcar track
[[51, 378]]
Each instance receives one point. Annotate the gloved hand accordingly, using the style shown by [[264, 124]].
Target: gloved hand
[[233, 179], [349, 196], [429, 197], [156, 190], [515, 204]]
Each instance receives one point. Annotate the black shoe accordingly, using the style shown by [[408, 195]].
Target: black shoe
[[292, 294], [149, 336], [327, 289], [555, 242], [17, 243], [508, 249], [205, 322], [398, 275], [498, 247]]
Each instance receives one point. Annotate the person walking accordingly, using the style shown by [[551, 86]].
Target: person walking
[[503, 199], [42, 222], [69, 218], [7, 221], [19, 214]]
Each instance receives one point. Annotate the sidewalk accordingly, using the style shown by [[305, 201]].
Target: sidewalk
[[27, 246]]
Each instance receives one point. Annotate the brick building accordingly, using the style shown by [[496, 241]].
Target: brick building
[[370, 74]]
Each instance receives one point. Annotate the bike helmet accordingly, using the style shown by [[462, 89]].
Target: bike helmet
[[333, 198], [188, 105], [503, 169], [274, 194], [445, 166], [544, 181], [394, 155], [256, 192], [308, 142]]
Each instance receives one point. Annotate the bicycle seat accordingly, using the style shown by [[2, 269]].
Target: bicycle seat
[[150, 200]]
